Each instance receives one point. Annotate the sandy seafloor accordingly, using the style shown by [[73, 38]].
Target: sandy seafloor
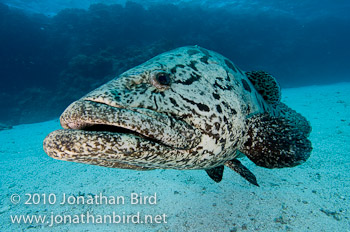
[[312, 197]]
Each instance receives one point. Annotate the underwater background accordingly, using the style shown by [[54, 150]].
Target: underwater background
[[54, 52]]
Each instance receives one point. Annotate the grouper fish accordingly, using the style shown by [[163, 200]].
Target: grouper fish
[[189, 108]]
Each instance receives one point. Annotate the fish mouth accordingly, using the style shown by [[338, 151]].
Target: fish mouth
[[94, 130]]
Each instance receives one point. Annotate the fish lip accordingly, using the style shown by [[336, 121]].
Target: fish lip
[[87, 115], [80, 146]]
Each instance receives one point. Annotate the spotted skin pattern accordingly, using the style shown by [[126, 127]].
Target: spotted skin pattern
[[184, 109]]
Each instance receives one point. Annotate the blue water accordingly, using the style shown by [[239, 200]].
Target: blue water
[[52, 56], [54, 52]]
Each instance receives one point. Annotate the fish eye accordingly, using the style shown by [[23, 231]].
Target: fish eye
[[161, 80]]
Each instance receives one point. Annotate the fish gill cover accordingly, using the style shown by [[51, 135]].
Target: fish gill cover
[[53, 52]]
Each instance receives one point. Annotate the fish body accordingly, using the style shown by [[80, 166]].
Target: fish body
[[189, 108]]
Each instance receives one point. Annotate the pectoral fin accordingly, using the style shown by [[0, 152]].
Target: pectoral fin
[[238, 167], [216, 173]]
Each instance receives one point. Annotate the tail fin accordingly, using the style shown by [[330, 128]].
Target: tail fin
[[276, 142], [294, 118]]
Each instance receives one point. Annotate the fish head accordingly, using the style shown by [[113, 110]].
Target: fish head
[[182, 109]]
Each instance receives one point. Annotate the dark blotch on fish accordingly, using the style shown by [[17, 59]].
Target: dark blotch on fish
[[218, 108], [246, 86], [204, 59], [194, 77], [230, 65], [173, 101], [192, 65], [201, 107], [216, 84], [216, 96], [192, 52], [173, 70]]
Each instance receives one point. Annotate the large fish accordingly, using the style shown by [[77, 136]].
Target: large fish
[[189, 108]]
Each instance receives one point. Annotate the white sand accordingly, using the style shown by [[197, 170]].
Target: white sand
[[312, 197]]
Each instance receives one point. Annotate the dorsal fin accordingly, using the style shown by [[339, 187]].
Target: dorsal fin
[[266, 85], [238, 167], [216, 173]]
